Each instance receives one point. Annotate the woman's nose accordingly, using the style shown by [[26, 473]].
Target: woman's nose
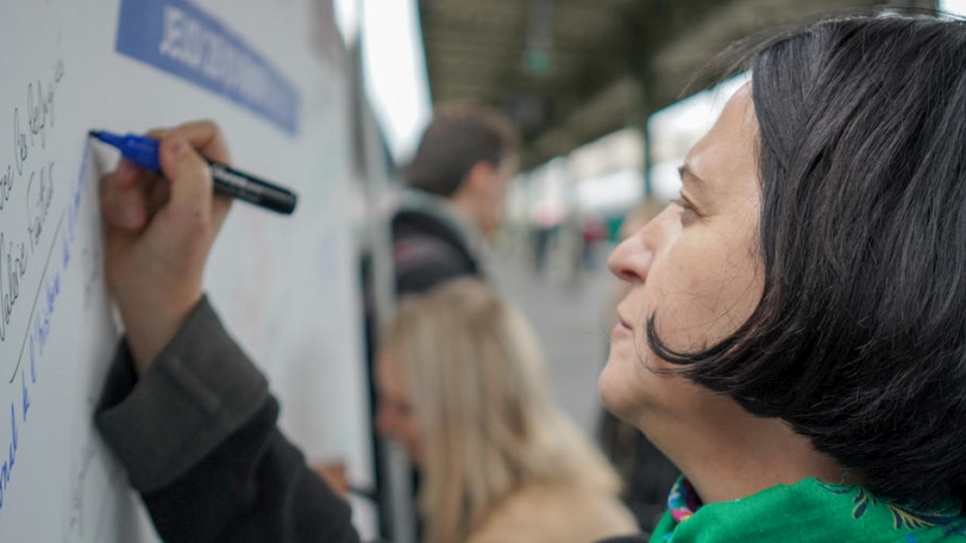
[[631, 260], [383, 421]]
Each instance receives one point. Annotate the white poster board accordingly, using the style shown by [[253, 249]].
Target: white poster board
[[285, 286]]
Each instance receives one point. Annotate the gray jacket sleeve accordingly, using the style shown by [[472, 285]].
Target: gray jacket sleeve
[[197, 435]]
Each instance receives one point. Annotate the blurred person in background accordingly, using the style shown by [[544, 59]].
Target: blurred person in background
[[456, 186], [593, 233], [464, 390], [454, 199]]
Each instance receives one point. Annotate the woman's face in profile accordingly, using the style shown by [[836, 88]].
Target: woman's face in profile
[[395, 415], [695, 268]]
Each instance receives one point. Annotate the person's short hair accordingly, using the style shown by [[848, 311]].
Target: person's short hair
[[458, 138], [859, 341]]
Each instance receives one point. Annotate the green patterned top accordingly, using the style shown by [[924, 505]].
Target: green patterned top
[[808, 511]]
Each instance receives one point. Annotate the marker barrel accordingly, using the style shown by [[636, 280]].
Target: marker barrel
[[236, 184], [143, 151]]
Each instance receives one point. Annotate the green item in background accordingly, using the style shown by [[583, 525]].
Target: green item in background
[[614, 223]]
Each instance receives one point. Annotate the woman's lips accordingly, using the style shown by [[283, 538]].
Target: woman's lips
[[622, 326]]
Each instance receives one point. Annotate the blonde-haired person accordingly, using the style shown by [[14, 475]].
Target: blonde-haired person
[[463, 389]]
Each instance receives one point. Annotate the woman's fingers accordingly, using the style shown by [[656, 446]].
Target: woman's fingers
[[204, 136], [124, 196]]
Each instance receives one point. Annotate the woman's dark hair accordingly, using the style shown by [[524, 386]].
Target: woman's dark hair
[[859, 340], [457, 139]]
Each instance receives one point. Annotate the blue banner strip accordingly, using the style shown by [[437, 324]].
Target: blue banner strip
[[177, 37]]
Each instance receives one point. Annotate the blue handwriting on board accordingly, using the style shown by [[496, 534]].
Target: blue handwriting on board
[[179, 38], [38, 333]]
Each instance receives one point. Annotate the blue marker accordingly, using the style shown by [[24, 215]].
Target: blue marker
[[143, 151]]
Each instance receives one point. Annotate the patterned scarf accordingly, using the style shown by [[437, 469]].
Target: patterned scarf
[[807, 512]]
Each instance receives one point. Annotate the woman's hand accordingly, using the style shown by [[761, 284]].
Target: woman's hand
[[160, 229]]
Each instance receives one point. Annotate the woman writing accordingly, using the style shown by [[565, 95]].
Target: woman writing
[[793, 340]]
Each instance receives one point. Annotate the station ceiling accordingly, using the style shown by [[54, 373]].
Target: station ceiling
[[570, 71]]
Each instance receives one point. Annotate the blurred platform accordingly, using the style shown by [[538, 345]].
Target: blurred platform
[[569, 317]]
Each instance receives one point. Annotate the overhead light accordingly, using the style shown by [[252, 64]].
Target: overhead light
[[538, 57]]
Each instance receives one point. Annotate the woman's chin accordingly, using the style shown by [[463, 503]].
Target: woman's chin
[[616, 390]]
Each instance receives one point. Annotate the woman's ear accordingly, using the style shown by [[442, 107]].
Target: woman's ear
[[479, 180]]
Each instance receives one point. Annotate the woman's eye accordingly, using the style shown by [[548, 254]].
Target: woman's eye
[[688, 214]]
